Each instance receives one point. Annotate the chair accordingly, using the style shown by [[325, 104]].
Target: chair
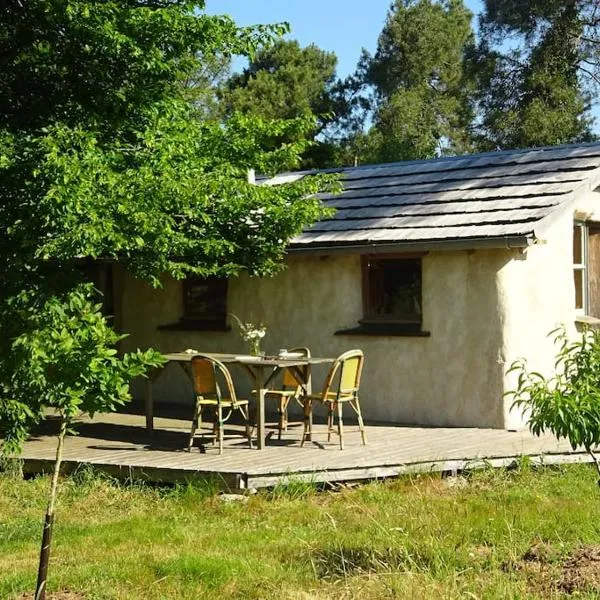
[[206, 373], [290, 389], [341, 386]]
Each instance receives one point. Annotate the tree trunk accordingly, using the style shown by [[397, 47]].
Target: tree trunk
[[40, 590], [595, 459]]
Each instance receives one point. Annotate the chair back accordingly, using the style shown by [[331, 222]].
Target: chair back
[[288, 380], [206, 373], [344, 376]]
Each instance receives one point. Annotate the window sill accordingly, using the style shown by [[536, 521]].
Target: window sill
[[386, 329], [192, 325], [587, 320]]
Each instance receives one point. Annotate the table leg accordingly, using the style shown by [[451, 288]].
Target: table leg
[[149, 406], [261, 408], [309, 391]]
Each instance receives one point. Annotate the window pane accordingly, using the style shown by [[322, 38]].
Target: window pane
[[205, 299], [395, 290], [578, 245], [578, 273]]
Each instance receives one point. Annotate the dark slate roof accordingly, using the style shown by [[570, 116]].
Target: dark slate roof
[[497, 198]]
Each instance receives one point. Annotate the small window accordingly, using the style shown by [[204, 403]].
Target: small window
[[205, 302], [392, 290]]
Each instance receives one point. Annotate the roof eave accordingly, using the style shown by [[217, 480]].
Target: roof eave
[[502, 242]]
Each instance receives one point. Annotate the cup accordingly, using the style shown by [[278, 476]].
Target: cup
[[282, 352]]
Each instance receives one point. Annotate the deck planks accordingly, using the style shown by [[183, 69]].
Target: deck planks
[[126, 451]]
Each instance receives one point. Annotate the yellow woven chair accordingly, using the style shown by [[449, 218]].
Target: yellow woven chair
[[290, 390], [206, 373], [341, 387]]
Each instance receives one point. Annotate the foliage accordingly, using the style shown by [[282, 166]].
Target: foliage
[[287, 81], [568, 404], [421, 95], [537, 68], [105, 156], [63, 358]]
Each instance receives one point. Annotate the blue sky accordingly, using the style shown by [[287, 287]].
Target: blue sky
[[341, 26]]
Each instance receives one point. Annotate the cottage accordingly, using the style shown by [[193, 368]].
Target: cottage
[[443, 271]]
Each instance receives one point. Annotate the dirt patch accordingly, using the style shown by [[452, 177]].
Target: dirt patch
[[581, 571], [548, 572]]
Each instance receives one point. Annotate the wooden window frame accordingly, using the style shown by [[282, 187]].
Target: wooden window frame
[[581, 267], [588, 282], [194, 317], [370, 324]]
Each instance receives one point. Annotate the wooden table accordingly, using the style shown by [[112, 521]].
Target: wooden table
[[262, 370]]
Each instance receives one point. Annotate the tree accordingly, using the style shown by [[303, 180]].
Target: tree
[[568, 404], [104, 157], [287, 81], [537, 68], [421, 94]]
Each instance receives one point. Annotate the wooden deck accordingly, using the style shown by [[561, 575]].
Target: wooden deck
[[119, 444]]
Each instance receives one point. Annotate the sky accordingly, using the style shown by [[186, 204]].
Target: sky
[[341, 26]]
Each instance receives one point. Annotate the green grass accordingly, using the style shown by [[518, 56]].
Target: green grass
[[416, 537]]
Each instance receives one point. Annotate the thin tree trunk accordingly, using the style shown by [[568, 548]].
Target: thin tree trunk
[[596, 462], [40, 590]]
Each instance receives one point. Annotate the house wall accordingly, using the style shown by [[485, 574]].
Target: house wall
[[455, 377], [537, 295], [484, 309]]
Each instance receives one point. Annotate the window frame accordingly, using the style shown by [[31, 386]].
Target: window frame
[[194, 320], [208, 318], [369, 324], [582, 267]]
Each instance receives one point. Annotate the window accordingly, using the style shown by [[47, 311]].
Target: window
[[586, 268], [391, 291], [579, 266], [205, 302]]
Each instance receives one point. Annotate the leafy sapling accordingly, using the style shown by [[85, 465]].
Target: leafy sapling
[[568, 403]]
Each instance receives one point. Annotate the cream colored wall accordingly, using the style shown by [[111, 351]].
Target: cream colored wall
[[537, 295], [484, 309], [454, 378]]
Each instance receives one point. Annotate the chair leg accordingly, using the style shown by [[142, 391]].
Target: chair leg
[[363, 434], [281, 412], [195, 420], [307, 433], [330, 414], [246, 414], [340, 425], [220, 421]]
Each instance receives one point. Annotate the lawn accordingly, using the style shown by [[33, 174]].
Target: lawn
[[521, 533]]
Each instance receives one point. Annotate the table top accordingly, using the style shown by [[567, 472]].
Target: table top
[[248, 359]]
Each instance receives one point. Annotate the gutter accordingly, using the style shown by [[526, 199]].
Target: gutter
[[505, 242]]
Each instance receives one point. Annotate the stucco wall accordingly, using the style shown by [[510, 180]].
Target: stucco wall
[[537, 295], [455, 377], [484, 309]]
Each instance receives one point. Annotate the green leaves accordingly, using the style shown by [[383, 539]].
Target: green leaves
[[105, 157], [568, 404], [537, 66], [422, 100], [64, 358]]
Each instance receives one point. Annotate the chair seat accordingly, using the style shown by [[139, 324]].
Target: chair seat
[[330, 397], [286, 393], [225, 402]]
